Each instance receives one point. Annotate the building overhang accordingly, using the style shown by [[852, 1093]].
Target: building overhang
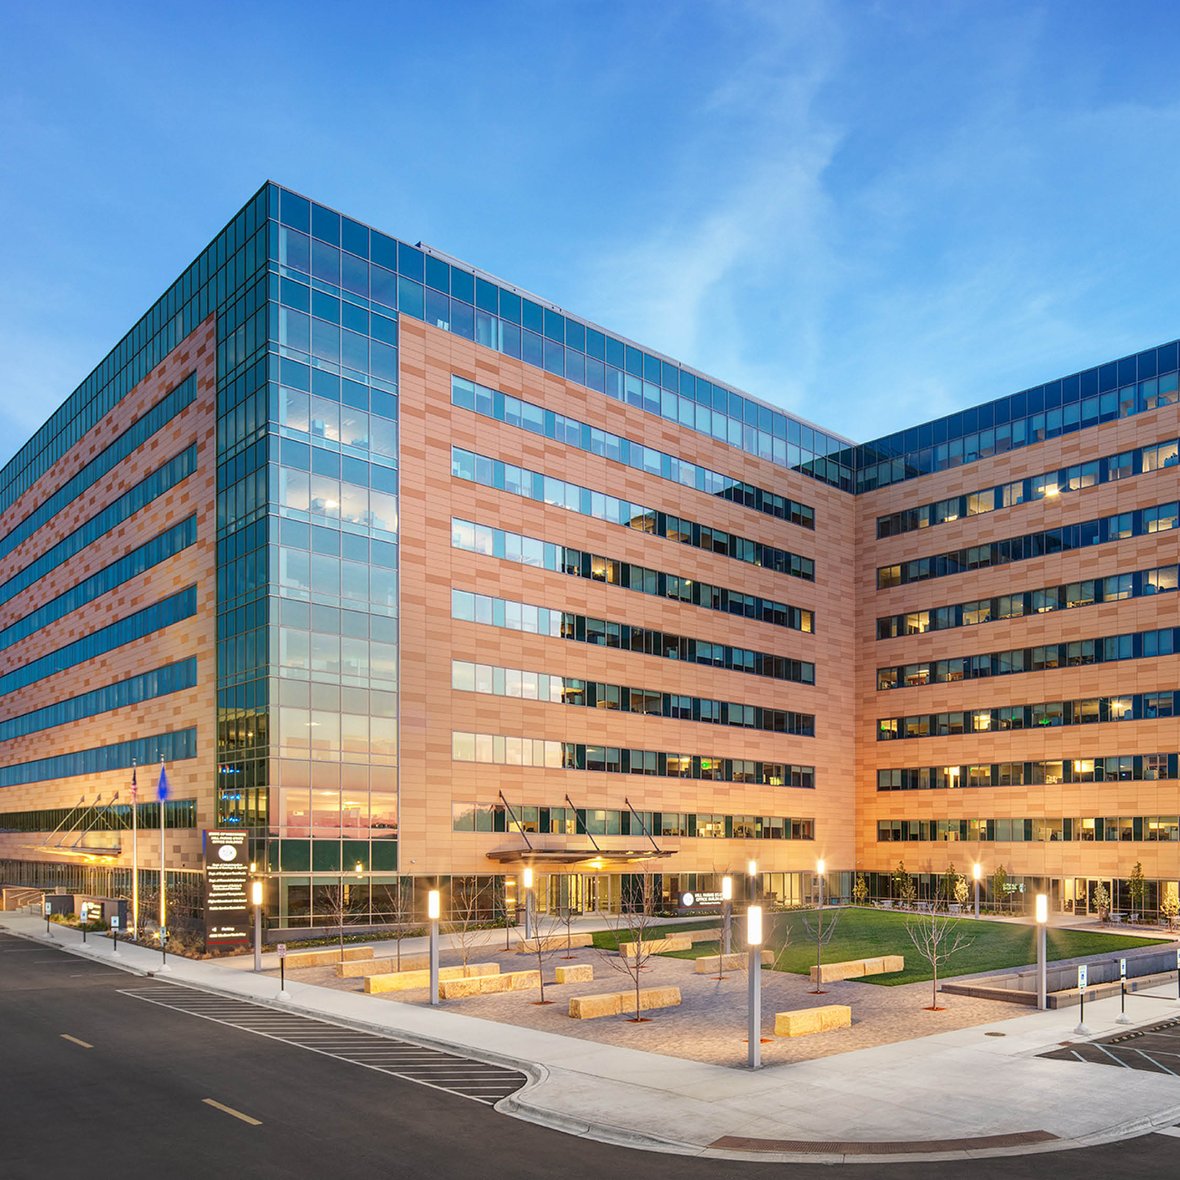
[[597, 858]]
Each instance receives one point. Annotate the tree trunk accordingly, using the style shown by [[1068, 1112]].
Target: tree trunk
[[934, 984]]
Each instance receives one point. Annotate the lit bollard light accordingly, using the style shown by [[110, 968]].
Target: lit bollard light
[[433, 909], [754, 999]]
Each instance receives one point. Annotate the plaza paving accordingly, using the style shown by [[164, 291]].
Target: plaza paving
[[710, 1024]]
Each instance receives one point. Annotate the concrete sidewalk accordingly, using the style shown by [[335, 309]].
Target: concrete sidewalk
[[951, 1095]]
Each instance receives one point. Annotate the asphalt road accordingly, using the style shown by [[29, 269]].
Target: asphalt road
[[97, 1083]]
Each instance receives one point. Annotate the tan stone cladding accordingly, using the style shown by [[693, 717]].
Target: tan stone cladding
[[190, 778]]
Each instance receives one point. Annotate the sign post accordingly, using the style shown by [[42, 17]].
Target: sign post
[[1122, 1017], [1082, 1030], [48, 911], [162, 934], [115, 934], [227, 884], [282, 949]]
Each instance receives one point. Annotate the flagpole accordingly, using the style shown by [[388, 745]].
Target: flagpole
[[163, 884], [134, 855]]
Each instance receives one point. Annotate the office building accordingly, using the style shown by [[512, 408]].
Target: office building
[[416, 577]]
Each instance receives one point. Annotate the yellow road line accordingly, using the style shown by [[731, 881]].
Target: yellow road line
[[230, 1110], [75, 1041]]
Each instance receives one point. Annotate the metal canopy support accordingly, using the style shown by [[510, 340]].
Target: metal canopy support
[[585, 828], [519, 826], [641, 824]]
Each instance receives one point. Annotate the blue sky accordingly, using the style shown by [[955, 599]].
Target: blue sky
[[868, 213]]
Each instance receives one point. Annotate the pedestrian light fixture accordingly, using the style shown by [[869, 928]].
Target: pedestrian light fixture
[[726, 919], [256, 901], [1042, 916], [433, 910], [977, 873], [754, 996]]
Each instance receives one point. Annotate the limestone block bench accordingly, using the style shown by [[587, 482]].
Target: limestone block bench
[[616, 1003], [482, 985], [556, 942], [856, 968], [578, 973], [700, 935], [715, 964], [327, 957], [408, 981], [806, 1021], [363, 967], [657, 946]]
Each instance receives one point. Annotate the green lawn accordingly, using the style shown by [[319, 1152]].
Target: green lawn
[[864, 934]]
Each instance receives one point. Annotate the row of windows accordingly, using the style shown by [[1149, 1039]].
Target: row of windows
[[1116, 768], [1076, 653], [114, 817], [545, 489], [1143, 521], [144, 687], [567, 690], [131, 565], [1114, 588], [452, 298], [161, 480], [340, 428], [542, 620], [171, 747], [1141, 706], [577, 563], [1118, 389], [1137, 828], [1035, 487], [301, 495], [106, 460], [593, 821], [504, 407], [502, 750], [182, 605]]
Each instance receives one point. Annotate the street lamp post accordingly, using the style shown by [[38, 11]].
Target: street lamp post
[[819, 929], [977, 873], [752, 873], [1042, 914], [754, 998], [256, 899], [527, 881], [726, 914], [433, 910]]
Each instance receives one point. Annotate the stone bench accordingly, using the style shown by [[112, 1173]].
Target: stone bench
[[715, 964], [327, 957], [579, 973], [617, 1003], [702, 935], [857, 968], [806, 1021], [657, 946], [408, 981], [556, 942], [363, 967], [482, 985]]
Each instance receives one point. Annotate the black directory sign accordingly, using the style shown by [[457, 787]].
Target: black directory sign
[[227, 885]]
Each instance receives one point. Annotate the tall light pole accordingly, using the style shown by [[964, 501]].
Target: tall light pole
[[977, 873], [256, 898], [134, 855], [754, 998], [527, 882], [433, 909], [819, 928], [1042, 913], [726, 914]]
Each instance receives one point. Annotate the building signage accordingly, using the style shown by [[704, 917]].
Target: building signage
[[227, 884], [696, 898]]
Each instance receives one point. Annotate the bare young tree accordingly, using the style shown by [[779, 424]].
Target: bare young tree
[[399, 906], [470, 902], [633, 929], [937, 939], [542, 945], [337, 902], [567, 914], [821, 934]]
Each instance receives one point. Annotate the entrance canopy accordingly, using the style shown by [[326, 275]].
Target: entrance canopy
[[596, 858]]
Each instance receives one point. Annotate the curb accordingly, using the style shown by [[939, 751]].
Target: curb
[[518, 1106]]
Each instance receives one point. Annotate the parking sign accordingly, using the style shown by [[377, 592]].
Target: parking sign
[[1081, 977]]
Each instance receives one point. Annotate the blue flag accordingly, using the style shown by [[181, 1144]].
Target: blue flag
[[162, 787]]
